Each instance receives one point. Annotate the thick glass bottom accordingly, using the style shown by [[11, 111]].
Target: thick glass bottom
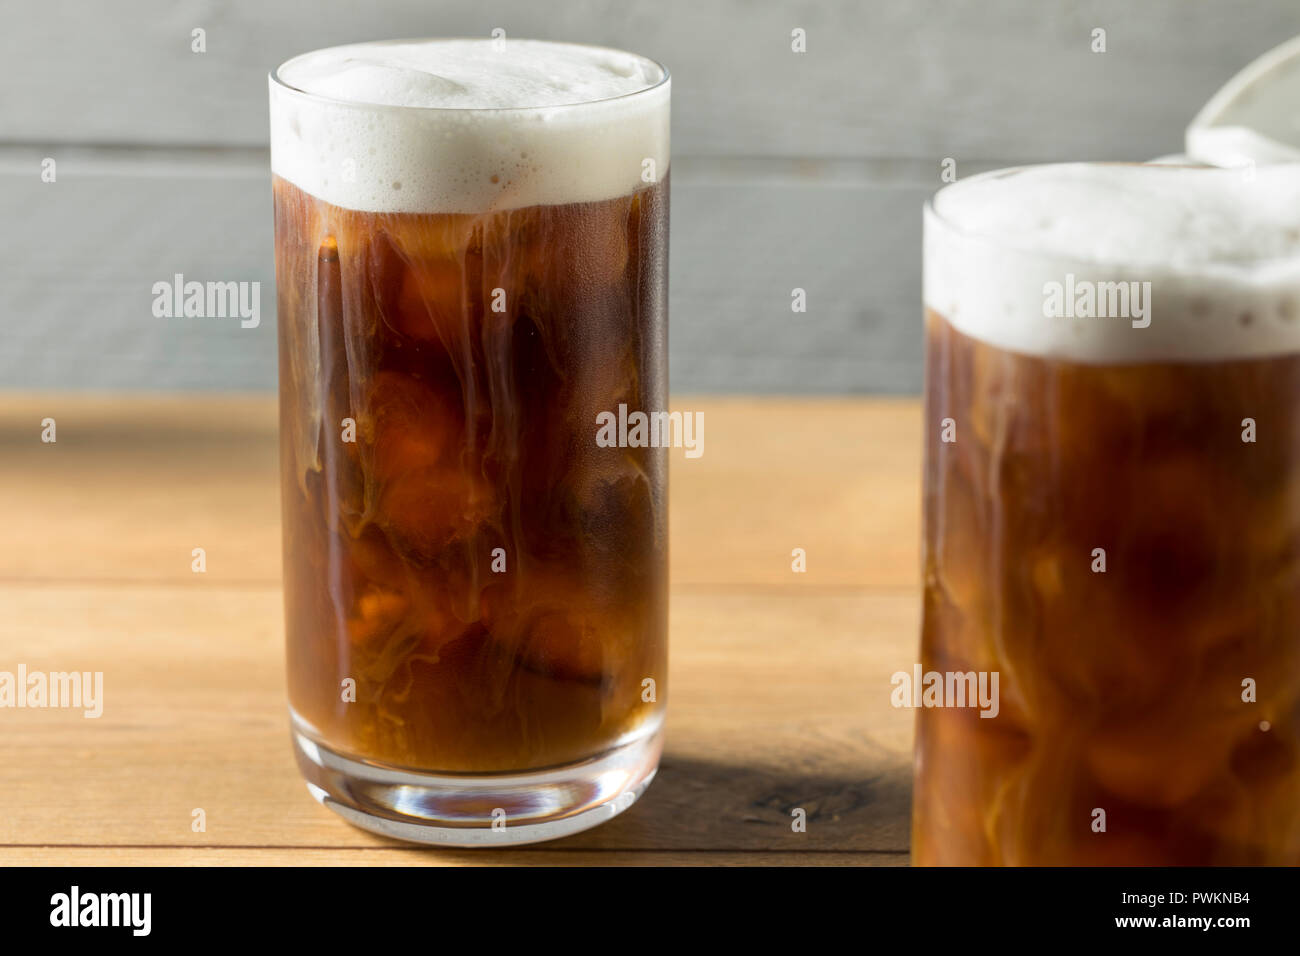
[[500, 809]]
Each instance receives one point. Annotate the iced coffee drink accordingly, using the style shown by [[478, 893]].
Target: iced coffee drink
[[1112, 517], [471, 254]]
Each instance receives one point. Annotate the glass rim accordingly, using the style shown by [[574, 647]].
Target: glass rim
[[279, 82]]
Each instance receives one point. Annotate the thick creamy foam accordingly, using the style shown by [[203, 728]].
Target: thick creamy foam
[[1220, 249], [468, 125]]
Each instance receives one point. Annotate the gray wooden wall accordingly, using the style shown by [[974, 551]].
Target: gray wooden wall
[[789, 170]]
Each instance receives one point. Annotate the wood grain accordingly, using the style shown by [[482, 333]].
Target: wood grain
[[779, 682], [133, 485]]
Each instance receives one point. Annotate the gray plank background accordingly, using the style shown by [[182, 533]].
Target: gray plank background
[[789, 169]]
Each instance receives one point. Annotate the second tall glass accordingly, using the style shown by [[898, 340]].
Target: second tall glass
[[1112, 519]]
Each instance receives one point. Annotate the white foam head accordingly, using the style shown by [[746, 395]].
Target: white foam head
[[468, 125], [1219, 247]]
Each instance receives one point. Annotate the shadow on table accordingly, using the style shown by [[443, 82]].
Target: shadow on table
[[699, 806]]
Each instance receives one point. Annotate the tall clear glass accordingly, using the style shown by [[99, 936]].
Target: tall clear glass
[[475, 588]]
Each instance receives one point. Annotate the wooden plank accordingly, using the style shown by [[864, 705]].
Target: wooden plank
[[78, 276], [130, 488], [778, 702], [779, 683], [837, 478], [992, 79], [134, 484]]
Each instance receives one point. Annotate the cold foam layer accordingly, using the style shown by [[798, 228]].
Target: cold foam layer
[[468, 125], [1012, 256]]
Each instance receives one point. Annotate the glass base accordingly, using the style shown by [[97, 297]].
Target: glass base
[[506, 809]]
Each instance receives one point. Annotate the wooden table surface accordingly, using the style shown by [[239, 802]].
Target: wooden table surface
[[779, 681]]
